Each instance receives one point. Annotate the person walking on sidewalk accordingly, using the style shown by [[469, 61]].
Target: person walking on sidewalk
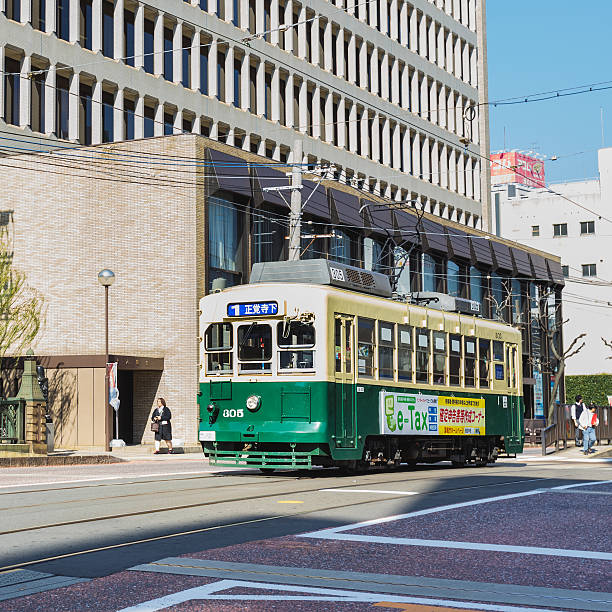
[[577, 409], [162, 416], [588, 422]]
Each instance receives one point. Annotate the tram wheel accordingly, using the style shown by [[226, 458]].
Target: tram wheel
[[266, 470]]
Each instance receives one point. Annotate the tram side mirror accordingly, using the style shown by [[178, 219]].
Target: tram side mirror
[[213, 412]]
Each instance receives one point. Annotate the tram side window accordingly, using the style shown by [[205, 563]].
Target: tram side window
[[218, 344], [255, 346], [404, 355], [439, 358], [386, 344], [498, 358], [422, 355], [512, 365], [454, 360], [298, 336], [469, 361], [484, 347], [365, 349]]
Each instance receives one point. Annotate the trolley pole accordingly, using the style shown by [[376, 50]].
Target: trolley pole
[[295, 216]]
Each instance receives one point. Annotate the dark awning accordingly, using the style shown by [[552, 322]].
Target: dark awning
[[459, 243], [481, 251], [556, 271], [501, 256], [406, 224], [521, 259], [232, 173], [382, 218], [314, 200], [347, 209], [434, 237], [265, 176], [539, 267]]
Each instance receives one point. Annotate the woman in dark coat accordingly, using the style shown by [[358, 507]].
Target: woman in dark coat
[[162, 415]]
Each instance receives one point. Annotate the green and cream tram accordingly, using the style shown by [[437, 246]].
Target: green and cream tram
[[313, 363]]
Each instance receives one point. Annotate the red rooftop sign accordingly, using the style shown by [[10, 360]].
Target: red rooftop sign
[[515, 167]]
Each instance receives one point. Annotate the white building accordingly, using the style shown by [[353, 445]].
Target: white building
[[577, 226], [386, 90]]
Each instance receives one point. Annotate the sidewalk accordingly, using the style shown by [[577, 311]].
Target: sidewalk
[[603, 452]]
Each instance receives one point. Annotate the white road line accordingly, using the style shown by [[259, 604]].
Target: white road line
[[330, 532], [371, 491], [136, 476], [522, 550]]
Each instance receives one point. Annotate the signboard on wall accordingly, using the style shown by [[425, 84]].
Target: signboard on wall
[[411, 414], [538, 395], [513, 167]]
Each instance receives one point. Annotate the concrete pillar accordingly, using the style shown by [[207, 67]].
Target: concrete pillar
[[25, 92], [315, 31], [414, 30], [25, 11], [394, 20], [405, 85], [260, 88], [457, 57], [213, 88], [260, 23], [275, 94], [96, 113], [329, 117], [384, 16], [435, 162], [158, 45], [289, 118], [397, 147], [442, 110], [177, 52], [386, 141], [465, 63], [139, 36], [49, 100], [403, 24], [303, 107], [139, 118], [229, 75], [74, 34], [365, 134], [425, 96], [461, 175], [118, 123], [96, 25], [353, 127], [423, 35], [452, 169], [406, 150], [450, 60], [477, 193], [316, 112], [414, 92], [274, 23], [195, 61], [302, 46], [328, 52], [244, 21], [50, 15], [341, 123], [363, 65], [158, 125], [441, 45], [431, 33], [416, 155], [289, 20], [395, 82], [245, 82], [384, 74], [443, 166], [376, 138], [73, 108], [229, 11], [373, 15], [472, 14], [362, 10], [426, 165], [473, 67], [213, 10], [118, 39], [433, 103], [352, 60], [469, 177], [374, 71], [459, 123]]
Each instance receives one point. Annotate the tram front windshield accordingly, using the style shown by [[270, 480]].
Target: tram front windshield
[[255, 342]]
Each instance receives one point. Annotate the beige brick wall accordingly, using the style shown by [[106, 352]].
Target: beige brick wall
[[134, 208]]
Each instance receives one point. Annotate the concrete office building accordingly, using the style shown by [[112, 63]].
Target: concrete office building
[[576, 227], [385, 90]]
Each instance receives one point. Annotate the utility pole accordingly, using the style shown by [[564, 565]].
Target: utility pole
[[295, 216]]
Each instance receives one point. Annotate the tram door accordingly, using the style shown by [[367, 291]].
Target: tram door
[[513, 409], [344, 332]]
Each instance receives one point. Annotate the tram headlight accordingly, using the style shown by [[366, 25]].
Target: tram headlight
[[253, 403]]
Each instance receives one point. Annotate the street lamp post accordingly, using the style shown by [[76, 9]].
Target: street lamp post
[[106, 278]]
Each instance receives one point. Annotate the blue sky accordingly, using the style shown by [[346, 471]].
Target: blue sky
[[542, 45]]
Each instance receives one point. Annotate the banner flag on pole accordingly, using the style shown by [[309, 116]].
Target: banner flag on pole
[[113, 389]]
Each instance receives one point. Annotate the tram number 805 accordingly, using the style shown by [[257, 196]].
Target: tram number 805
[[233, 413]]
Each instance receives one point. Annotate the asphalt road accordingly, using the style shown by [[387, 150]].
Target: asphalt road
[[97, 521]]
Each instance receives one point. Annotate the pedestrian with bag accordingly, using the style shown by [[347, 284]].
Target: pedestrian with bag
[[588, 422], [160, 424], [577, 409]]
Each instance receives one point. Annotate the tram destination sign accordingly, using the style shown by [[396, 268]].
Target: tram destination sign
[[432, 415], [252, 309]]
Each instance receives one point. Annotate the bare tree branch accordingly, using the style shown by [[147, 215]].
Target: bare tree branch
[[608, 343]]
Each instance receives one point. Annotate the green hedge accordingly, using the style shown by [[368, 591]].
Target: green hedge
[[592, 387]]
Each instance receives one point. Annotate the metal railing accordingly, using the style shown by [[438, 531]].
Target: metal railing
[[562, 430], [12, 421]]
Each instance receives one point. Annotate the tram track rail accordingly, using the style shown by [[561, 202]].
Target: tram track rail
[[150, 511]]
